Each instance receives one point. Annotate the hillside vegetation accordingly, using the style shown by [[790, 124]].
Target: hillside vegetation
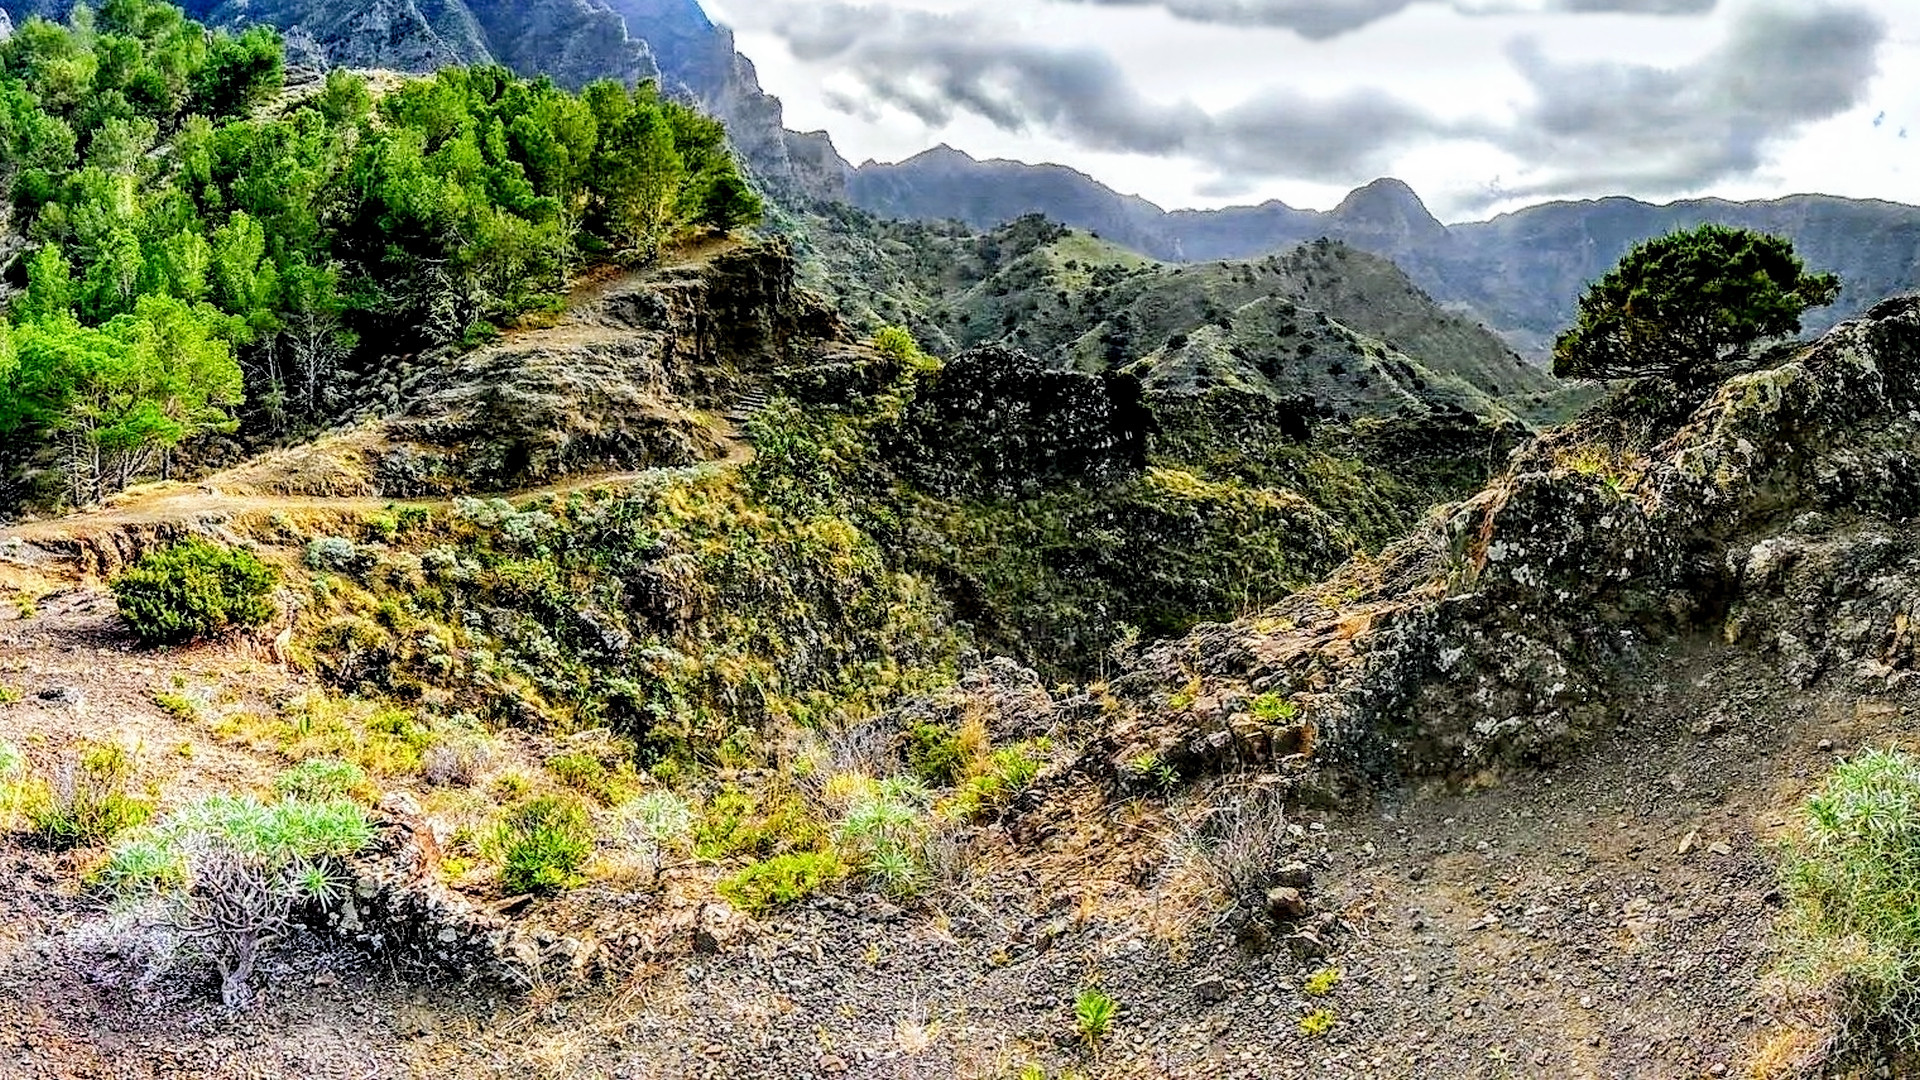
[[198, 258], [1322, 321]]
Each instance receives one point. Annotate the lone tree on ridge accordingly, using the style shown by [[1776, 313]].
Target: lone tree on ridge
[[1686, 305]]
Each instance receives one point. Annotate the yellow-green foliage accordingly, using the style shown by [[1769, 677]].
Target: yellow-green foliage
[[322, 780], [1273, 708], [177, 705], [1008, 772], [543, 843], [781, 880], [1317, 1023], [756, 824], [83, 800], [1093, 1014], [384, 740], [680, 613], [1851, 932], [1322, 982]]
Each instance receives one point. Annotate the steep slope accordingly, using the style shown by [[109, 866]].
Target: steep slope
[[1774, 514], [1520, 273]]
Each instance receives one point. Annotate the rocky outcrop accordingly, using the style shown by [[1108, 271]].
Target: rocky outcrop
[[1777, 513], [633, 379], [996, 423]]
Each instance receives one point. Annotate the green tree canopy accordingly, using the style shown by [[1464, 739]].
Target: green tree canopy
[[1685, 305], [142, 167]]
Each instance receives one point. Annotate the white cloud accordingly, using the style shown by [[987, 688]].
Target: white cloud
[[1480, 104]]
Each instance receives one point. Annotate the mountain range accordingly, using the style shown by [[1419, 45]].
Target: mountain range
[[1518, 273]]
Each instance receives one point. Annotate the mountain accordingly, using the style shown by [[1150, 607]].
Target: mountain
[[1520, 273], [573, 41], [1325, 321]]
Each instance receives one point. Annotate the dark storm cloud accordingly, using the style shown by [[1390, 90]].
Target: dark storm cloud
[[936, 67], [1321, 19], [1675, 129], [1587, 125]]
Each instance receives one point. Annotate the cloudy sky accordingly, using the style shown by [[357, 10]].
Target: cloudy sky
[[1482, 105]]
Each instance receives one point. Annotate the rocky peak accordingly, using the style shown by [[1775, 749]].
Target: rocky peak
[[1388, 208]]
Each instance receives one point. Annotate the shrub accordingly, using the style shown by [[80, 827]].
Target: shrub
[[1852, 883], [1317, 1023], [194, 589], [884, 832], [85, 800], [230, 875], [457, 762], [1010, 771], [321, 780], [780, 880], [655, 825], [1322, 982], [935, 753], [738, 823], [543, 843], [1093, 1014], [1242, 842], [335, 553]]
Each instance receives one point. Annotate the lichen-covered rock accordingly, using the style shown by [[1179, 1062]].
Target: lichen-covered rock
[[631, 380], [1777, 514]]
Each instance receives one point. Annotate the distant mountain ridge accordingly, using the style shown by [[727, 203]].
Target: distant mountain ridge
[[1519, 272]]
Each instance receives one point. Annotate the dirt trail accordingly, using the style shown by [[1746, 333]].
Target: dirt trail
[[1604, 919]]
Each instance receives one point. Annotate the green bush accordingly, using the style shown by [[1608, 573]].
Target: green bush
[[277, 834], [781, 880], [321, 780], [1009, 772], [1852, 927], [885, 833], [85, 800], [935, 753], [543, 844], [194, 589]]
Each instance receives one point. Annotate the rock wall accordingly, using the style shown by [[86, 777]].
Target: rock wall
[[1778, 513], [998, 423]]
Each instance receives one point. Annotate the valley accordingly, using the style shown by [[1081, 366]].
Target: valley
[[508, 576]]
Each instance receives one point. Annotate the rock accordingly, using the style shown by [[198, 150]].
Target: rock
[[1298, 876], [1691, 841], [64, 697], [1286, 905], [1210, 991], [1306, 946]]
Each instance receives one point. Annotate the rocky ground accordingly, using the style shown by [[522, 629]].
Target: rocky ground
[[1606, 918]]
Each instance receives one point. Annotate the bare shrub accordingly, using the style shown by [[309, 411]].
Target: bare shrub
[[231, 876], [456, 763], [1240, 842], [238, 904]]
